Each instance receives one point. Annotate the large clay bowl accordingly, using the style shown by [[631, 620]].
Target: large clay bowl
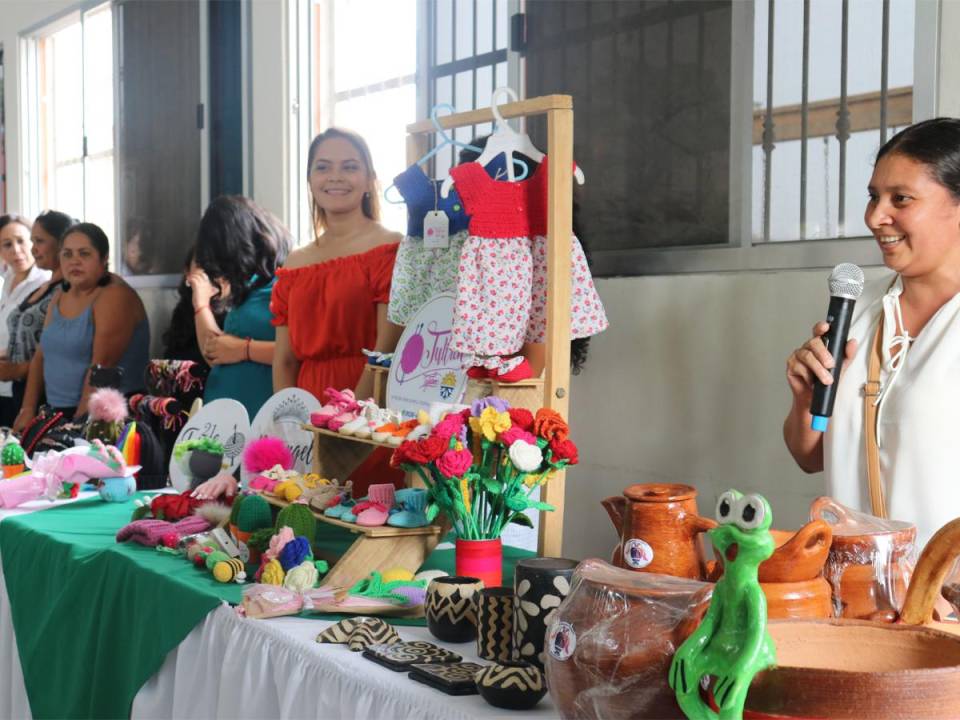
[[806, 599], [857, 669]]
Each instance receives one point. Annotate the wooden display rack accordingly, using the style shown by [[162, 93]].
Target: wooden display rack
[[376, 548], [383, 547], [553, 390]]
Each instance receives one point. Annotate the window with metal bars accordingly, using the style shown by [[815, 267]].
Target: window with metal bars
[[467, 59], [364, 78], [833, 80]]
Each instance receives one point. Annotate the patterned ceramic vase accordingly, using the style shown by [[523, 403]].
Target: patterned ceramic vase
[[511, 685], [451, 608], [540, 585], [495, 624]]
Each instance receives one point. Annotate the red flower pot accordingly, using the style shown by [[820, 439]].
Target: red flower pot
[[481, 559]]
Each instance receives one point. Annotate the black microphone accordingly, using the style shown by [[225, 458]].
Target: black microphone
[[846, 284]]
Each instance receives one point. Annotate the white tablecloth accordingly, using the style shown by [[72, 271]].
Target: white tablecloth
[[230, 667]]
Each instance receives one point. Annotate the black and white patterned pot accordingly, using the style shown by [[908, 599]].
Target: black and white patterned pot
[[511, 685], [451, 608], [495, 624], [540, 585]]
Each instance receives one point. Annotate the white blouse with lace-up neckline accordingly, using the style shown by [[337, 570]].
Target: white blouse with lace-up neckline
[[918, 418]]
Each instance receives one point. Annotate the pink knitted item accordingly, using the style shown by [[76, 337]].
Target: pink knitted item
[[107, 405], [376, 510], [338, 401], [150, 532]]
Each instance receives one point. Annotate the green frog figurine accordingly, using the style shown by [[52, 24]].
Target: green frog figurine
[[732, 643]]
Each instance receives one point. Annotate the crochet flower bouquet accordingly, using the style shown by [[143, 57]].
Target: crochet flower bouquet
[[480, 466]]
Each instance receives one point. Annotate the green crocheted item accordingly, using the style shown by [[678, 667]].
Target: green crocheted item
[[206, 444], [260, 539], [235, 508], [375, 587], [254, 514], [12, 454], [299, 518], [215, 557]]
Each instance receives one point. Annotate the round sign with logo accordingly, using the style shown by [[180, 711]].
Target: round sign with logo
[[561, 641], [225, 421], [637, 553], [425, 369], [283, 417]]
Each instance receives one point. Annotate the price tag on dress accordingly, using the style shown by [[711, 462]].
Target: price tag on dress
[[436, 230]]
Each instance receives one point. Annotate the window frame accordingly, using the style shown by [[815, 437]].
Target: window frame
[[742, 252], [31, 170]]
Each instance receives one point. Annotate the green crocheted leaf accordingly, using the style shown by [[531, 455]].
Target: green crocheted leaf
[[521, 519], [493, 486]]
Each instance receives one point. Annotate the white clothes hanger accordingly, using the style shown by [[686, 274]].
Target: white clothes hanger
[[506, 140]]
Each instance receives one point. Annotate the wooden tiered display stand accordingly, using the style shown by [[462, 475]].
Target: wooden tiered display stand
[[380, 548]]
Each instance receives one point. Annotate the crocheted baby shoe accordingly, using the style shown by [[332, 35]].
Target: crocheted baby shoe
[[376, 510], [336, 402], [338, 511], [413, 505]]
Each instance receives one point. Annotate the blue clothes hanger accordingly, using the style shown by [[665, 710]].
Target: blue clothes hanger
[[446, 141]]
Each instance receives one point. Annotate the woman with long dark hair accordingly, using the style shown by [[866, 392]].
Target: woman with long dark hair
[[239, 248]]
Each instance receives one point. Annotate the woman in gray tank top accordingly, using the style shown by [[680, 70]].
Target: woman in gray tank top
[[96, 319]]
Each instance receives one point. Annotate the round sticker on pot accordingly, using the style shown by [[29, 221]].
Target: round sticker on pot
[[637, 554], [561, 641]]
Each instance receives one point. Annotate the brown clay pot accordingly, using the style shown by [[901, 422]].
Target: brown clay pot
[[626, 628], [804, 599], [800, 555], [858, 669], [867, 569], [659, 530]]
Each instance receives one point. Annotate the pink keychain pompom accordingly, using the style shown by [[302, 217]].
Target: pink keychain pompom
[[108, 405], [263, 453]]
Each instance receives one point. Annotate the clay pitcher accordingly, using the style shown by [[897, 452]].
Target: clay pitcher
[[659, 530]]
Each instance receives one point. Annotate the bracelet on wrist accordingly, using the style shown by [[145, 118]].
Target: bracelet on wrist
[[247, 348]]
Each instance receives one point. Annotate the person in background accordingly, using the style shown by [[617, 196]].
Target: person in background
[[96, 322], [25, 322], [913, 212], [239, 248], [21, 278], [330, 300], [180, 340]]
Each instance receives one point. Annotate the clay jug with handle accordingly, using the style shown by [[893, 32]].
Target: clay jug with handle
[[659, 529]]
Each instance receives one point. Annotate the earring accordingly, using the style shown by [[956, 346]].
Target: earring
[[366, 195]]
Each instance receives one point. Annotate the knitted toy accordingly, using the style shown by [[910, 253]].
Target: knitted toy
[[300, 519], [74, 466], [200, 458], [235, 513], [223, 567], [108, 413], [254, 514], [12, 458], [153, 532]]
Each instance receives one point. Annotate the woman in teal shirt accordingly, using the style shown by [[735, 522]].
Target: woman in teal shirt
[[239, 248]]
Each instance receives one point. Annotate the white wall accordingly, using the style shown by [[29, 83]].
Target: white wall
[[688, 385]]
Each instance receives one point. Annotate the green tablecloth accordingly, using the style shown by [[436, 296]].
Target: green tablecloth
[[95, 619]]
